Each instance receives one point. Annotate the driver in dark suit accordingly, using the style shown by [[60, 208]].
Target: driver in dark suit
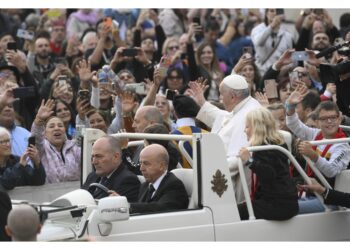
[[162, 190], [110, 171]]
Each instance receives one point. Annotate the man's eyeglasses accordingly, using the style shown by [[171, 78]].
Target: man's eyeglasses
[[5, 142], [332, 118]]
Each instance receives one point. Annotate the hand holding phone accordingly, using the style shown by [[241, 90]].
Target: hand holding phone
[[271, 88], [31, 140]]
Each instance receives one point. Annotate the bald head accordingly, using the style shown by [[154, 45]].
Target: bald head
[[145, 116], [154, 160], [23, 223]]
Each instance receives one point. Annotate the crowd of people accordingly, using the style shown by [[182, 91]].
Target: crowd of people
[[243, 74]]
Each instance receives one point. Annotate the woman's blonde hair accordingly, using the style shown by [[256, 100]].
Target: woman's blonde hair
[[264, 128], [167, 42]]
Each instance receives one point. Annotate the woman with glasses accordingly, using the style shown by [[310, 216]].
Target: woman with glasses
[[15, 171]]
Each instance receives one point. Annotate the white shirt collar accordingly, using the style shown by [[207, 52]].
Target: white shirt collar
[[185, 122], [158, 181]]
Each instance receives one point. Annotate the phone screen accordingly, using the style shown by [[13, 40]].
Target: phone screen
[[12, 46], [271, 88], [300, 56]]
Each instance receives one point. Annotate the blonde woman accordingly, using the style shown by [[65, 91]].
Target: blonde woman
[[274, 195]]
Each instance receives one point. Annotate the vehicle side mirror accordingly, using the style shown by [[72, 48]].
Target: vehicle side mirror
[[113, 208]]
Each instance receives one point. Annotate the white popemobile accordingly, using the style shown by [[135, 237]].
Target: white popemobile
[[212, 214]]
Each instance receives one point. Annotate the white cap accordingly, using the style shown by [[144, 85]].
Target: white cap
[[235, 82]]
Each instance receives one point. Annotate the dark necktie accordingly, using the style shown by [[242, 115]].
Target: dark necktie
[[98, 192], [273, 35], [150, 192]]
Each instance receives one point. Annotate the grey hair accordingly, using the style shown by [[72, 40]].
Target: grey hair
[[152, 114], [4, 131], [114, 143], [241, 93]]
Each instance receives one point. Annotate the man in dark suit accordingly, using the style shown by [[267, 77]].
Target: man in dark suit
[[110, 171], [162, 190], [5, 208]]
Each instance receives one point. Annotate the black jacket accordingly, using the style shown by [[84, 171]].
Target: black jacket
[[272, 170], [14, 175], [338, 198], [5, 207], [122, 181], [170, 195]]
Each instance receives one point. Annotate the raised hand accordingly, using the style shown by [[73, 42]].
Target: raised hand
[[197, 92], [45, 110], [128, 102], [15, 58], [85, 74], [298, 94], [285, 59], [262, 98]]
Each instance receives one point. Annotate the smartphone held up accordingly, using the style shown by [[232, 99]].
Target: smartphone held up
[[271, 88]]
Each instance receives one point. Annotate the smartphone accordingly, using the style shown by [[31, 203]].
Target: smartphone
[[197, 20], [84, 94], [24, 92], [300, 56], [62, 79], [108, 21], [31, 140], [138, 88], [271, 88], [25, 34], [61, 60], [279, 11], [129, 52], [12, 46], [170, 94]]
